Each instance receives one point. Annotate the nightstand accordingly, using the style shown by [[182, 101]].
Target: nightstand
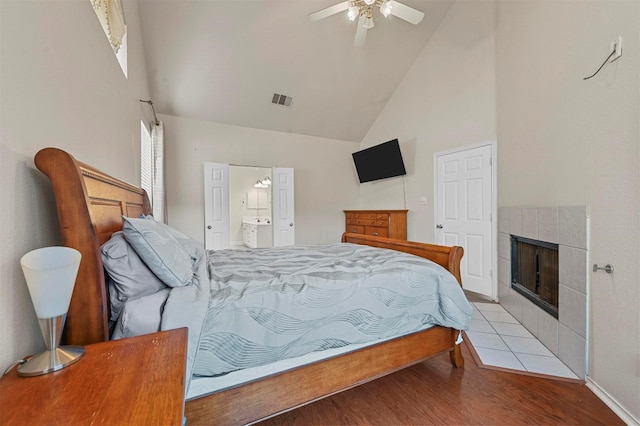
[[134, 381]]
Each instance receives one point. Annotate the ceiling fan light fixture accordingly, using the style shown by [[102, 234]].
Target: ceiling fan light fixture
[[385, 8], [363, 11], [353, 13], [368, 22]]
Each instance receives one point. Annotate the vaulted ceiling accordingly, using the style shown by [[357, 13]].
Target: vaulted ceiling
[[222, 61]]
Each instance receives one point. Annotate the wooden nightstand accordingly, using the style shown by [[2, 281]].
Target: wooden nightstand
[[135, 381]]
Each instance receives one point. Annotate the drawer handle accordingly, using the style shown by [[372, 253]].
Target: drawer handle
[[375, 234], [355, 231]]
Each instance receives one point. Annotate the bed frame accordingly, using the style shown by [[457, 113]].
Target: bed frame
[[90, 205]]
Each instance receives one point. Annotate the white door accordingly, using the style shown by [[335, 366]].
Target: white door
[[464, 203], [283, 207], [216, 206]]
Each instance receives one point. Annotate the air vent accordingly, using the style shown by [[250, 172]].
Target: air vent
[[282, 100]]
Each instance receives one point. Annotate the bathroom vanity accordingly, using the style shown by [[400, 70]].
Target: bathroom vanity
[[257, 232]]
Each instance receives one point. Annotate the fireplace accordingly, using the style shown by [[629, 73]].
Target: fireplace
[[534, 272], [563, 329]]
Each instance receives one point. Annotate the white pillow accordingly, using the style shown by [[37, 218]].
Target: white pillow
[[158, 247]]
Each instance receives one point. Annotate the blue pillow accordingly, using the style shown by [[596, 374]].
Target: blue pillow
[[129, 277], [158, 247]]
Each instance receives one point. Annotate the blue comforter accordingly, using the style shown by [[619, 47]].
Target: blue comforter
[[265, 305]]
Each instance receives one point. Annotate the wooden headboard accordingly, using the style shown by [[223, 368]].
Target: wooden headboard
[[90, 207]]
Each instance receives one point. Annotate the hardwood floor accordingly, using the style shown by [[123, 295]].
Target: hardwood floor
[[434, 392]]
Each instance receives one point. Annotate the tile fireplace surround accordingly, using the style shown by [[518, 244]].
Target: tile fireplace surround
[[567, 336]]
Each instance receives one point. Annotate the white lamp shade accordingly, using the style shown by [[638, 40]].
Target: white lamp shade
[[51, 275]]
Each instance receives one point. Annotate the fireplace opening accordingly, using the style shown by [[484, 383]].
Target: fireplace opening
[[534, 272]]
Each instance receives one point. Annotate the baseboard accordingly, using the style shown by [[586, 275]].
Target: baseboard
[[610, 402]]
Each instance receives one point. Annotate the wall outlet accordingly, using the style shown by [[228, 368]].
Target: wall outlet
[[616, 46]]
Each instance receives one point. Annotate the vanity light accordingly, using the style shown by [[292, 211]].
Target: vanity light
[[264, 183]]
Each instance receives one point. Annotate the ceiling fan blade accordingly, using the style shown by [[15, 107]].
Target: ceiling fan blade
[[361, 33], [331, 10], [405, 12]]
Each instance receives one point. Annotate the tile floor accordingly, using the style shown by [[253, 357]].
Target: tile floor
[[501, 341]]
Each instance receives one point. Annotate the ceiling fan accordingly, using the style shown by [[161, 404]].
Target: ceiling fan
[[363, 10]]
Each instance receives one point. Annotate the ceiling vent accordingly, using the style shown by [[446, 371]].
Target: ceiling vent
[[282, 100]]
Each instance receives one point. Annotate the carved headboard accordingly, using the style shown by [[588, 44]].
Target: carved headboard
[[90, 208]]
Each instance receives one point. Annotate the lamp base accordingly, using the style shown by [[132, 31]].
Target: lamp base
[[50, 361]]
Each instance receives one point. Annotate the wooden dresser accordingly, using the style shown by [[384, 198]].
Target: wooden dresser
[[382, 223]]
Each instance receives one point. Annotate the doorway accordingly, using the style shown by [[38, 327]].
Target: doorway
[[248, 206], [464, 208]]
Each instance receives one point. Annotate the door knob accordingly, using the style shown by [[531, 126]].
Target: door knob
[[291, 224], [209, 227], [439, 226]]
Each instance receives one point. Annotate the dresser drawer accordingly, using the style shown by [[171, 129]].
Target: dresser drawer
[[377, 232], [355, 229], [366, 216]]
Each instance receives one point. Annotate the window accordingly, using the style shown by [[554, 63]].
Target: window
[[146, 159], [111, 16], [152, 168]]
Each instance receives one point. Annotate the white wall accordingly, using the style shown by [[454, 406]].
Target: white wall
[[566, 141], [325, 182], [446, 100], [60, 86]]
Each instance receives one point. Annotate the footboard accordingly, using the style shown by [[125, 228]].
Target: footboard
[[288, 390], [447, 257]]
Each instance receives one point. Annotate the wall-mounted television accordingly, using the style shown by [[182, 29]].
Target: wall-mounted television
[[379, 162]]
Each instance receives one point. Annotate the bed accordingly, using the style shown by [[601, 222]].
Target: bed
[[91, 206]]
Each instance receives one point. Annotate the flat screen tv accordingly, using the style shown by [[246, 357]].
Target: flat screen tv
[[379, 162]]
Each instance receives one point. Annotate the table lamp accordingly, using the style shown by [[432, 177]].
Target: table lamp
[[51, 273]]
